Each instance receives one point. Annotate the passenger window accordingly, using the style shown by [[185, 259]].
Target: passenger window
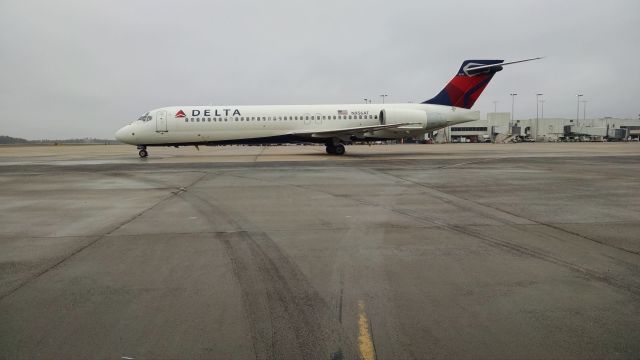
[[264, 118], [186, 120], [375, 116]]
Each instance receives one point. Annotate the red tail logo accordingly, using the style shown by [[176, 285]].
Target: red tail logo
[[180, 113], [465, 88]]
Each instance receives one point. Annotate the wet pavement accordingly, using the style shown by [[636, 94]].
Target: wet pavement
[[417, 251]]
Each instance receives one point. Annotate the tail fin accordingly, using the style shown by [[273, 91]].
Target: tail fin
[[465, 88]]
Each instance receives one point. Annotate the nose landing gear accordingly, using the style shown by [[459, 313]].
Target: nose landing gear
[[143, 151]]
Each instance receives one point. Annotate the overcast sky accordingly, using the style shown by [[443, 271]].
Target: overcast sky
[[85, 68]]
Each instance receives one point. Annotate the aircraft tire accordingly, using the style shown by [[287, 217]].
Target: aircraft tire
[[143, 153], [331, 149], [339, 149]]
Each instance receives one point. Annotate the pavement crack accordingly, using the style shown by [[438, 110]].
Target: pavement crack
[[464, 163]]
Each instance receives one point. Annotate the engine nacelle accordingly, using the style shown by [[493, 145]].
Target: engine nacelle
[[436, 121], [421, 119], [418, 118]]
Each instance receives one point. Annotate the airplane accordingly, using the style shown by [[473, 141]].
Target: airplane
[[333, 125]]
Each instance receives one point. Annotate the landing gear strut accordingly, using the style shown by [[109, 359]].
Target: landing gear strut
[[143, 151], [335, 149]]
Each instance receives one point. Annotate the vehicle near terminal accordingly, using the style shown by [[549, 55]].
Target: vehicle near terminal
[[332, 125]]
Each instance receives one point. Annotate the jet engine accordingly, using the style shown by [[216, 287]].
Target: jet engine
[[420, 118], [395, 116]]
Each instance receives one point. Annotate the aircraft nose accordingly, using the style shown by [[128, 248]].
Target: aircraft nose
[[123, 135]]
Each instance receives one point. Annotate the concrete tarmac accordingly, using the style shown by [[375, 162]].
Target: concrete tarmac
[[460, 251]]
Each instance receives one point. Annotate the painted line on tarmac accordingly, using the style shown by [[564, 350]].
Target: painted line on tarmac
[[365, 341]]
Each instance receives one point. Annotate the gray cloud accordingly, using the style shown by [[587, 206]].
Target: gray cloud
[[85, 68]]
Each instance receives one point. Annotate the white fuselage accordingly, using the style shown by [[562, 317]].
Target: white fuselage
[[182, 125]]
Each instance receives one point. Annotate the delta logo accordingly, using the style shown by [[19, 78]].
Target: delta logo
[[209, 112]]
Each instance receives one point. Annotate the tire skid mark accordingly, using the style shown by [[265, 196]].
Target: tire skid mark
[[594, 275], [394, 331], [287, 317], [96, 239], [505, 245], [533, 222]]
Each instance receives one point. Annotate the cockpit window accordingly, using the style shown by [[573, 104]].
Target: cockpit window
[[145, 117]]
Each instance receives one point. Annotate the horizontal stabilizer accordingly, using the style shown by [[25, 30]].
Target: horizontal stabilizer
[[501, 64]]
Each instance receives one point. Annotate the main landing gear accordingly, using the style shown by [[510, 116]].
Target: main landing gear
[[335, 149], [143, 151]]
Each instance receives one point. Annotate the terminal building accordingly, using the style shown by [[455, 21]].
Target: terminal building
[[498, 127]]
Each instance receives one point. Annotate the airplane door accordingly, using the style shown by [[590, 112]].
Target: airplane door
[[161, 121]]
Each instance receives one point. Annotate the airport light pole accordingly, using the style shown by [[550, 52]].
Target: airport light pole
[[366, 101], [584, 110], [383, 96], [513, 102], [537, 115], [578, 96], [495, 106]]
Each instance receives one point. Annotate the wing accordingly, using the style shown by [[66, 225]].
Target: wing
[[358, 130]]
